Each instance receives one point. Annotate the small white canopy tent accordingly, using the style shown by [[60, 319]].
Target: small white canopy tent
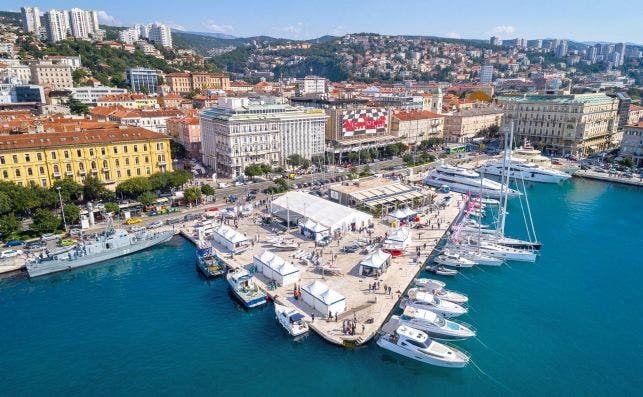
[[314, 230], [375, 263], [398, 240], [323, 299], [276, 268], [232, 240]]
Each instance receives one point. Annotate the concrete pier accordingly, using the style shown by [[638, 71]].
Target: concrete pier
[[369, 309]]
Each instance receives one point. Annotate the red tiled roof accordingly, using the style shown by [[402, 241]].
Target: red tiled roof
[[46, 140]]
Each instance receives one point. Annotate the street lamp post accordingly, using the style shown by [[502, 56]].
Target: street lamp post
[[62, 209]]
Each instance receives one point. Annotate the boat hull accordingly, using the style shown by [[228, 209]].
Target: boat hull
[[424, 358], [54, 266], [437, 332]]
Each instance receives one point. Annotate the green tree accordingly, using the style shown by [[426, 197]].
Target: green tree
[[77, 107], [93, 189], [296, 160], [160, 180], [253, 170], [45, 221], [192, 194], [134, 187], [366, 171], [207, 189], [5, 203], [79, 75], [177, 150], [70, 190], [72, 213], [24, 199], [178, 178], [112, 207], [9, 224], [627, 162], [147, 198]]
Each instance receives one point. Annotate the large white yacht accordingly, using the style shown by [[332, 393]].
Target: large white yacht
[[521, 169], [465, 181], [291, 319], [415, 344], [527, 153], [434, 324]]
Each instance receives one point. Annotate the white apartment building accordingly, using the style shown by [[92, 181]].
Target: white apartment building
[[311, 85], [563, 124], [237, 133], [55, 77], [15, 71], [83, 23], [91, 95], [129, 36], [160, 34], [56, 25], [30, 19]]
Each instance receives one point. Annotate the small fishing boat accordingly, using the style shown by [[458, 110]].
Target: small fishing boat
[[453, 260], [416, 345], [244, 288], [291, 319], [441, 270], [211, 265], [434, 324]]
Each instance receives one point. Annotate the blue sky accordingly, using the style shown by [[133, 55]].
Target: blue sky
[[584, 20]]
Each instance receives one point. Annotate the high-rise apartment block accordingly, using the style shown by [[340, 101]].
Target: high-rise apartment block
[[160, 34], [83, 24], [56, 25], [30, 19]]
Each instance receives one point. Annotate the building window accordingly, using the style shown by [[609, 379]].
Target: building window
[[138, 171], [42, 170], [15, 159], [79, 153], [125, 149], [94, 165], [27, 157], [66, 154], [147, 159], [17, 173], [145, 148], [2, 160], [38, 156], [43, 182], [115, 150], [102, 151], [91, 152], [68, 167], [29, 171], [129, 173], [81, 166], [136, 160], [135, 148], [5, 174], [127, 161]]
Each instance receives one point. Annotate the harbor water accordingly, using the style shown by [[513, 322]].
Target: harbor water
[[149, 325]]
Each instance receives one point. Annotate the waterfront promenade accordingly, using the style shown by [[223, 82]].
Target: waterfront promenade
[[601, 176]]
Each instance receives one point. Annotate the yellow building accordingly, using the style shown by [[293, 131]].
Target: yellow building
[[111, 155]]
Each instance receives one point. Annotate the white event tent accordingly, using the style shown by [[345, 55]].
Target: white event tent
[[323, 299], [374, 264], [276, 268], [232, 240], [296, 206]]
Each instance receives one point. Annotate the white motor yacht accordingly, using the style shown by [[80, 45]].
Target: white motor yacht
[[465, 181], [415, 344], [453, 260], [429, 283], [291, 319], [478, 257], [521, 169], [447, 295], [441, 270], [424, 300], [434, 324]]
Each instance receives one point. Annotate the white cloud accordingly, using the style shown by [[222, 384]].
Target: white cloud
[[105, 18], [212, 26], [453, 35], [503, 29], [294, 30], [173, 25]]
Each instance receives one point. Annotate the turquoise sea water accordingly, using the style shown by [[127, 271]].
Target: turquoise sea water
[[148, 325]]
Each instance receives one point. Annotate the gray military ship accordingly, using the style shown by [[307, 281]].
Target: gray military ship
[[111, 244]]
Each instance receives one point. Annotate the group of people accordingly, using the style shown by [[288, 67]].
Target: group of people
[[296, 293], [349, 327], [376, 287]]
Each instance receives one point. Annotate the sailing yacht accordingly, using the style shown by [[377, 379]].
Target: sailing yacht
[[465, 181]]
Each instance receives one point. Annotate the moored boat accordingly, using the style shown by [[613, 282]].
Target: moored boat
[[453, 260], [415, 344], [441, 270], [291, 319], [424, 300], [244, 288], [434, 324]]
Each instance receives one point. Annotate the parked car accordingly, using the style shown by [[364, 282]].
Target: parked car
[[191, 217], [10, 253], [75, 232], [173, 221], [133, 221], [154, 225], [35, 245], [49, 237], [14, 243]]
